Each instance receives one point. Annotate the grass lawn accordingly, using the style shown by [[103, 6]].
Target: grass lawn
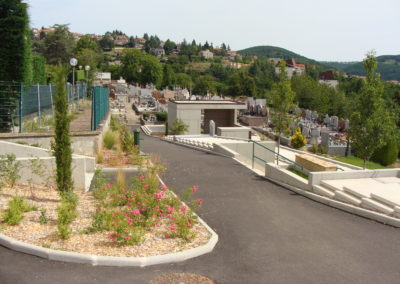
[[359, 162], [300, 174]]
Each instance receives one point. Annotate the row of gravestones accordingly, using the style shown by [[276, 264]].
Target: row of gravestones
[[332, 122]]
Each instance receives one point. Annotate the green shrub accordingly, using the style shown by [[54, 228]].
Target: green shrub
[[179, 127], [42, 217], [66, 214], [386, 155], [114, 123], [298, 140], [146, 115], [16, 206], [161, 116], [127, 139], [109, 140], [9, 170]]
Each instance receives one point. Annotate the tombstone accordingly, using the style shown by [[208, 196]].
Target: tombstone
[[315, 134], [314, 115], [327, 120], [212, 127], [193, 98], [308, 114], [346, 124], [306, 131], [335, 122], [297, 111], [325, 138]]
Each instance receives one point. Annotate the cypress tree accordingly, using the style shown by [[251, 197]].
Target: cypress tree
[[62, 146], [15, 50]]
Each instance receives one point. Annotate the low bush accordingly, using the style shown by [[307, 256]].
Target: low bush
[[66, 214], [298, 140], [13, 215], [386, 155], [179, 127], [114, 123], [109, 140], [129, 212], [161, 116]]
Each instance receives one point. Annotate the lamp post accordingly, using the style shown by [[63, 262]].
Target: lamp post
[[87, 69], [73, 62]]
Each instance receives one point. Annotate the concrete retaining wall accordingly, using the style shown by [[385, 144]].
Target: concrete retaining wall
[[153, 129], [82, 166], [82, 143], [276, 173], [234, 132]]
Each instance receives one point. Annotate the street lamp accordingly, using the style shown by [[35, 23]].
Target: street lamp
[[87, 69], [73, 62]]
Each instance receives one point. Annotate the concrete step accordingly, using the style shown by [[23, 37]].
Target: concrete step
[[389, 196], [323, 191], [333, 185], [345, 197], [376, 206]]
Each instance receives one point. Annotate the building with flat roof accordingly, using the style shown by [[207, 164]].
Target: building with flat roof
[[223, 113]]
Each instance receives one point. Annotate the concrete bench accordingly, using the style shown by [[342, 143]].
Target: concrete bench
[[314, 164]]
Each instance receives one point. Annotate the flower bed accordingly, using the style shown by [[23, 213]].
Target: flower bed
[[142, 219]]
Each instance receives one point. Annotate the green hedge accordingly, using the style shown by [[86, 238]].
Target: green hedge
[[386, 155]]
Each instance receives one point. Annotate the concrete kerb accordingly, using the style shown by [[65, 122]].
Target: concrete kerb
[[97, 260]]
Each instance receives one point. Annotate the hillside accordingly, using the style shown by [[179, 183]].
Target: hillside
[[388, 67], [278, 52]]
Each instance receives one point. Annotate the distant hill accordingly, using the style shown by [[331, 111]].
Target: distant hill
[[278, 52], [388, 65]]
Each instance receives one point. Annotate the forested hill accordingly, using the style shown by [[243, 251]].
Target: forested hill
[[278, 52], [388, 67]]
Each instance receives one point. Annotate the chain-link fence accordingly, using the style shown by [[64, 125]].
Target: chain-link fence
[[31, 108]]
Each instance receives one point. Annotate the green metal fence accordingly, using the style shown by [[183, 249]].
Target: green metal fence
[[100, 105], [21, 103]]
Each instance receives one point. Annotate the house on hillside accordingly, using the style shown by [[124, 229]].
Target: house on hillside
[[292, 68], [159, 52], [121, 40], [329, 78], [206, 54]]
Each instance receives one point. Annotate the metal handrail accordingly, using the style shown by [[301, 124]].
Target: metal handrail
[[277, 154]]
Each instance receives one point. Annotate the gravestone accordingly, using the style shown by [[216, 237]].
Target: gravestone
[[306, 131], [315, 134], [346, 124], [327, 120], [308, 114], [212, 128], [314, 115], [335, 122]]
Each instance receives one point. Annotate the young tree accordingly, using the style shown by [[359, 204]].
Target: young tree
[[282, 98], [371, 124], [62, 145], [168, 77]]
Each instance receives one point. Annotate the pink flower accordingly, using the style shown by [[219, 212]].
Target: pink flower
[[125, 215], [183, 208], [130, 221], [135, 212], [195, 188], [141, 177], [189, 225], [108, 185], [166, 236], [200, 201], [164, 187], [170, 209], [123, 197], [172, 228], [127, 238], [116, 212], [159, 195], [145, 186]]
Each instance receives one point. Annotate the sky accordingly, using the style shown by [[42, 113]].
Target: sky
[[336, 30]]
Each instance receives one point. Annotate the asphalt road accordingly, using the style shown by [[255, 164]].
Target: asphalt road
[[267, 234]]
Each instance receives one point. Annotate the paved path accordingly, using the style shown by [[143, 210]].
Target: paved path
[[267, 234]]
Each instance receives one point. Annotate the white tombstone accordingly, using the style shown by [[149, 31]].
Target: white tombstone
[[327, 120], [212, 128], [306, 131]]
